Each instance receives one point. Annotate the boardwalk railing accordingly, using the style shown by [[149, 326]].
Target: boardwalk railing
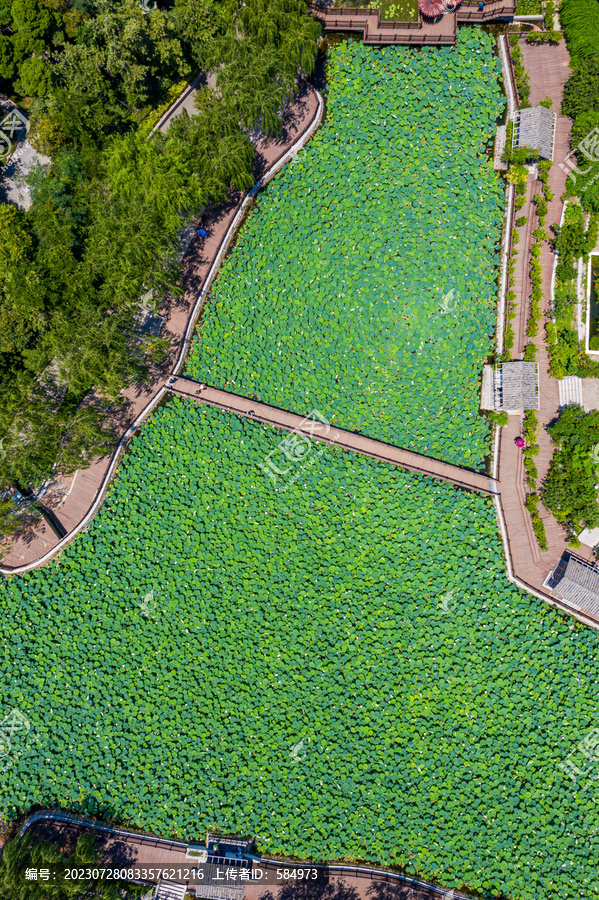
[[338, 437], [468, 11], [58, 815], [372, 874], [407, 39], [375, 31], [395, 26]]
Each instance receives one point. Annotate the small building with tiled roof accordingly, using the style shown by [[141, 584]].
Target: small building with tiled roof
[[511, 388], [224, 868], [535, 128], [170, 890], [575, 581]]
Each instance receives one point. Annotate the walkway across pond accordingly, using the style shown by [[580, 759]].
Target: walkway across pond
[[348, 440], [441, 31]]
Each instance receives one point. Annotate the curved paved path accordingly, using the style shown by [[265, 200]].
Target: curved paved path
[[128, 849], [76, 499], [348, 440]]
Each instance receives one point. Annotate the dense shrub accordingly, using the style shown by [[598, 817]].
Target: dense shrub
[[581, 103], [580, 22], [569, 488]]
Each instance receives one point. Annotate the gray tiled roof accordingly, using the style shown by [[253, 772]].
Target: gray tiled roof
[[170, 890], [578, 585], [220, 880], [536, 129], [519, 385]]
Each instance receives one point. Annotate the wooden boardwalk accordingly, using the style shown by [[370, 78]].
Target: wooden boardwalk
[[120, 849], [436, 32], [347, 440], [548, 69]]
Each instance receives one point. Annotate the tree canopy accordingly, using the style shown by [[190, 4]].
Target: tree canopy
[[108, 211], [569, 488], [25, 853]]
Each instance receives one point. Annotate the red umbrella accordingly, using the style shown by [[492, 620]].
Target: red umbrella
[[520, 442], [431, 8]]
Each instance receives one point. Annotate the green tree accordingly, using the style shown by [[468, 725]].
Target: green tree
[[123, 53], [25, 853], [580, 21], [583, 124], [46, 134], [5, 13], [7, 58], [197, 22], [257, 56]]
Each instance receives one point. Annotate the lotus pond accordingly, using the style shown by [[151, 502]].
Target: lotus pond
[[365, 283], [209, 622]]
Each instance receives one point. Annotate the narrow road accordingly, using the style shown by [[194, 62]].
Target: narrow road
[[348, 440]]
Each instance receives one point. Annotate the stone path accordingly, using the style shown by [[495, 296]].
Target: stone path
[[185, 101], [348, 440], [548, 69]]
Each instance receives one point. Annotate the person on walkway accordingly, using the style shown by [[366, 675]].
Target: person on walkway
[[481, 5], [202, 232]]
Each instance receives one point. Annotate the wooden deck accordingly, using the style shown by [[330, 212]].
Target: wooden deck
[[348, 440], [440, 32]]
